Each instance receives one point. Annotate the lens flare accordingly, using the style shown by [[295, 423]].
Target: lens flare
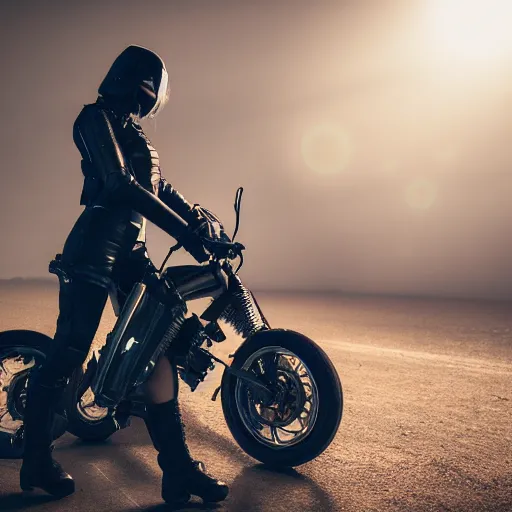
[[421, 194], [325, 148]]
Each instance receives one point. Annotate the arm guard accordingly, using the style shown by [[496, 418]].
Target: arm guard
[[174, 200]]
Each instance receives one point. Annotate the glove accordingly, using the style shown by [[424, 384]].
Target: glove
[[192, 243], [206, 224]]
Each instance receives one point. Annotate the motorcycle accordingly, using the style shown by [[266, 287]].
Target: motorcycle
[[281, 396]]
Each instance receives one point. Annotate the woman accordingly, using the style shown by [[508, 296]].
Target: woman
[[123, 187]]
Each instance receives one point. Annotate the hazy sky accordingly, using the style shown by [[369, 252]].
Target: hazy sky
[[416, 101]]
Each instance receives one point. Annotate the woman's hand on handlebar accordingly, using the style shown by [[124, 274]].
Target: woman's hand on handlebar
[[202, 247], [223, 249]]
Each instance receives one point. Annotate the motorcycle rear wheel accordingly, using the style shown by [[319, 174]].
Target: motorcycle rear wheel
[[20, 352], [86, 420], [301, 419]]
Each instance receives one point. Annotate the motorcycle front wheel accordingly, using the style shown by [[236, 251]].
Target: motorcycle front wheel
[[300, 418]]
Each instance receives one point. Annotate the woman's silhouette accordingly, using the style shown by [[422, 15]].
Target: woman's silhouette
[[123, 187]]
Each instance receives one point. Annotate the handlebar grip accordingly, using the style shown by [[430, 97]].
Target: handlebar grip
[[223, 249]]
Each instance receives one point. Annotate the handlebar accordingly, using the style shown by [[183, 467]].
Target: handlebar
[[220, 249]]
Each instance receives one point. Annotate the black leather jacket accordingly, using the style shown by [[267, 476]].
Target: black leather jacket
[[123, 186]]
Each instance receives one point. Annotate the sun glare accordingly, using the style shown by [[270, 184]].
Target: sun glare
[[472, 30]]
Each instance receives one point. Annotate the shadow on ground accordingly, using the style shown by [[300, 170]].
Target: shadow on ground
[[121, 480], [261, 489]]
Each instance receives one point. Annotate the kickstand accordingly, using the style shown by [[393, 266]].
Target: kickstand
[[215, 394]]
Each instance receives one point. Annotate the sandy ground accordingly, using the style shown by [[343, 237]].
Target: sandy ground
[[426, 426]]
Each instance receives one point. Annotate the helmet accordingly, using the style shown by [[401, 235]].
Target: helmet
[[137, 83]]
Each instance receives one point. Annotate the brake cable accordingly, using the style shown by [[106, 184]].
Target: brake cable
[[237, 206], [171, 250], [241, 262]]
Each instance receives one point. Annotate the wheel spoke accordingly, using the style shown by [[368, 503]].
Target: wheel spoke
[[4, 370], [288, 431], [279, 440], [88, 408], [273, 433]]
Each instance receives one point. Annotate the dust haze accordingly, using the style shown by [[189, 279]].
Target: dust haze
[[248, 80]]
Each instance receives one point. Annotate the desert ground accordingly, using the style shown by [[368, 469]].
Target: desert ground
[[426, 426]]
